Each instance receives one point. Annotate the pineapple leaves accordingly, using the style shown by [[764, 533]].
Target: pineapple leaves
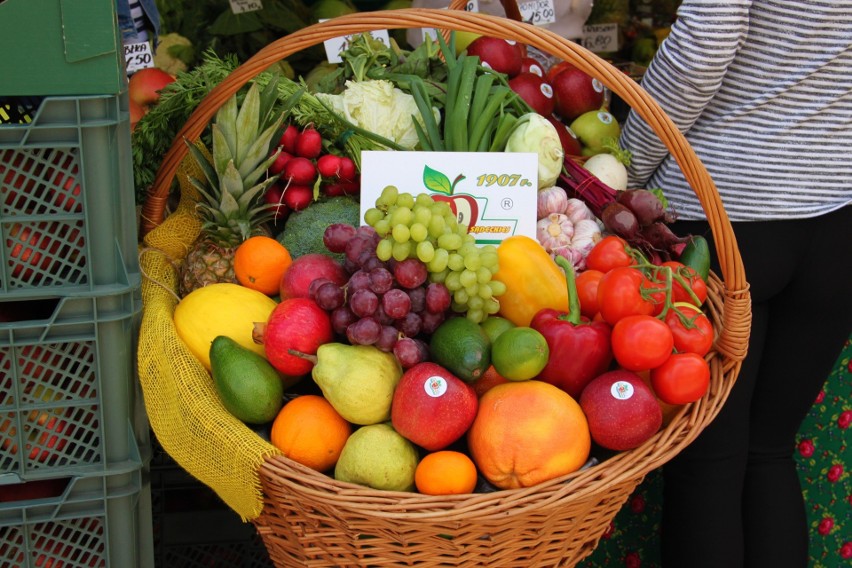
[[226, 118], [231, 184], [199, 157], [258, 153], [247, 124], [221, 151]]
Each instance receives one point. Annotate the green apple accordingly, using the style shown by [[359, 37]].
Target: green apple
[[464, 39], [593, 128]]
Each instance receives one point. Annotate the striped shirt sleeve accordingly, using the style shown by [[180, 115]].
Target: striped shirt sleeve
[[748, 83]]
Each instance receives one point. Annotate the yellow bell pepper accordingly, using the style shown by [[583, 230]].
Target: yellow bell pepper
[[533, 281]]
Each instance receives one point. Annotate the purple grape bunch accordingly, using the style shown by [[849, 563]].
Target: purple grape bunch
[[389, 304]]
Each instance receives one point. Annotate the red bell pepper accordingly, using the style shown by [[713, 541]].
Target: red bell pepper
[[580, 349]]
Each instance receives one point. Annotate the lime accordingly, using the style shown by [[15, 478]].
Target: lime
[[493, 326], [519, 353]]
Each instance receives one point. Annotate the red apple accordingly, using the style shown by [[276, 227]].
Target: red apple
[[432, 407], [621, 409], [296, 280], [571, 145], [463, 206], [530, 65], [499, 54], [144, 85], [576, 93], [535, 91]]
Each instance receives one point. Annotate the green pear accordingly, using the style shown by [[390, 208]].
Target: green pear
[[593, 128], [358, 381], [378, 456]]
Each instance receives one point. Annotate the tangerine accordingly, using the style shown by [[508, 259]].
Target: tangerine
[[528, 432], [310, 431], [446, 472], [259, 263]]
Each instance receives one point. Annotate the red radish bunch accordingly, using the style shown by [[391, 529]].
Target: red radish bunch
[[304, 166]]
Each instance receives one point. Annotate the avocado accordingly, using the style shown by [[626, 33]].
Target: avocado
[[248, 385], [462, 347]]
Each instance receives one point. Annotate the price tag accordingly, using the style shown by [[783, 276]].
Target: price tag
[[493, 195], [138, 56], [471, 6], [242, 6], [600, 38], [335, 46], [538, 12]]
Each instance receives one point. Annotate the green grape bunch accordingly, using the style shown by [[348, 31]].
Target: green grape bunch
[[419, 227]]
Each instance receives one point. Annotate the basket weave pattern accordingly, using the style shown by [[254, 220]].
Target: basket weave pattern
[[309, 519]]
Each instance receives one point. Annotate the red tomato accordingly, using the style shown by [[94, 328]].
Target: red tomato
[[695, 282], [691, 329], [620, 294], [681, 379], [610, 252], [641, 342], [587, 291]]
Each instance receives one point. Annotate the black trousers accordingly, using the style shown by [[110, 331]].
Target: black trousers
[[732, 498]]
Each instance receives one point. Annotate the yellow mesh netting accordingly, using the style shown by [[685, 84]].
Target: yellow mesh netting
[[183, 407]]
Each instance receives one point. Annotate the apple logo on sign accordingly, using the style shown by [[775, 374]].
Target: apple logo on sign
[[463, 206]]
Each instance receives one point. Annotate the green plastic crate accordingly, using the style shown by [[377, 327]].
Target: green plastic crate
[[81, 522], [67, 384], [60, 47], [67, 200]]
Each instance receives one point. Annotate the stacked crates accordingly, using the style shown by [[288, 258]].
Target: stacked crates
[[71, 466]]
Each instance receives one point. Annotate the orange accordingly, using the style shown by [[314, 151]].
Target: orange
[[528, 432], [259, 263], [445, 473], [309, 430]]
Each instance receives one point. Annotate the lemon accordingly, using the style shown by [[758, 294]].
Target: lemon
[[519, 353], [494, 326]]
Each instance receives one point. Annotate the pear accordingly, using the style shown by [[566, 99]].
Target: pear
[[378, 456], [358, 381]]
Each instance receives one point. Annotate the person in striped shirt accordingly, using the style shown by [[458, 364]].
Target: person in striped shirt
[[762, 91]]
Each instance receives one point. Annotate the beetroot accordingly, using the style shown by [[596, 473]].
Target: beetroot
[[645, 205]]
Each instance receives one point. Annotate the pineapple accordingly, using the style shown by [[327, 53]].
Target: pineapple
[[231, 206]]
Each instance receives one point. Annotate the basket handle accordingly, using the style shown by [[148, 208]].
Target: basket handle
[[736, 321]]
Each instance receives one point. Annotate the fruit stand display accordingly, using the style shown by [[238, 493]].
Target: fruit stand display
[[70, 461], [359, 398]]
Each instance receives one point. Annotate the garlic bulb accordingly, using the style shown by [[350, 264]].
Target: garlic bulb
[[561, 237], [551, 200]]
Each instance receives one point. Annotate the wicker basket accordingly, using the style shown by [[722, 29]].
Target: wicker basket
[[309, 519]]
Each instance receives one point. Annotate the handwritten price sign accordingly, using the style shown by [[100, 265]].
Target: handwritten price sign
[[242, 6], [600, 38], [335, 46], [538, 12], [138, 56]]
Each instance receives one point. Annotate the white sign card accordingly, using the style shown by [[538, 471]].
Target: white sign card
[[138, 56], [492, 192], [600, 38], [335, 46], [537, 12], [242, 6]]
